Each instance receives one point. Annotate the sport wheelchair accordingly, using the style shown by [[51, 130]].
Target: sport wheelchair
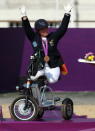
[[37, 97]]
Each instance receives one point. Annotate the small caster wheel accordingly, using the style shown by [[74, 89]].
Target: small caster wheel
[[67, 109]]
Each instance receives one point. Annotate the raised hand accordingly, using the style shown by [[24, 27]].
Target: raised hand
[[68, 8], [23, 11]]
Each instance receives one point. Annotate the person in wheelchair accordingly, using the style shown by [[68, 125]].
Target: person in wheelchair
[[48, 59]]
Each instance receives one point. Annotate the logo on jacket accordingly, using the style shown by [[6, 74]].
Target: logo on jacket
[[51, 42], [34, 44]]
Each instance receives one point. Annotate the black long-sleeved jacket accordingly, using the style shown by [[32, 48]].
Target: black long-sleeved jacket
[[53, 38]]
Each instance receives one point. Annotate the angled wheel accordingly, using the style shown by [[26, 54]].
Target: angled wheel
[[40, 113], [67, 108], [19, 111]]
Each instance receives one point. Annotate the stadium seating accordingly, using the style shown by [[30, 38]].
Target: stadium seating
[[50, 10]]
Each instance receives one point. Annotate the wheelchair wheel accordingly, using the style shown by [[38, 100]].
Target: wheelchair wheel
[[19, 111], [40, 113], [67, 109]]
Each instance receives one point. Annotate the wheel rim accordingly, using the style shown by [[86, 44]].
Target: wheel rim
[[21, 113]]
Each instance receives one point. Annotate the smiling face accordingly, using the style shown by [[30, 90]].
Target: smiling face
[[43, 32]]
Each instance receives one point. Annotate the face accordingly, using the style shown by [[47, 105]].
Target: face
[[43, 32]]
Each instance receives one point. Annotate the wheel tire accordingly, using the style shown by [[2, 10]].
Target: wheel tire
[[33, 107], [40, 113], [67, 109]]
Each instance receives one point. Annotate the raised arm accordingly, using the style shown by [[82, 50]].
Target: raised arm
[[64, 24], [26, 24], [63, 27]]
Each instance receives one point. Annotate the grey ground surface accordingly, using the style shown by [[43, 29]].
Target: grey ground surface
[[79, 98]]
